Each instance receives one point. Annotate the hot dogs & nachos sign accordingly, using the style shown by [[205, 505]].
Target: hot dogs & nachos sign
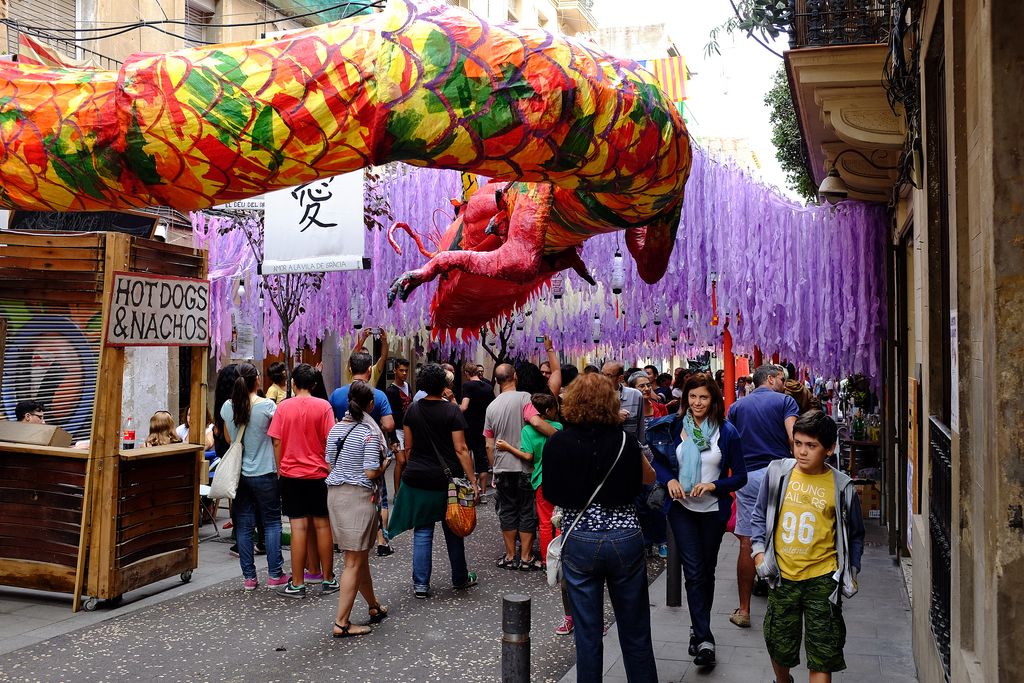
[[158, 310]]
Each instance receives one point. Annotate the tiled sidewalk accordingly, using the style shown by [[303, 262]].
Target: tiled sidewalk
[[878, 643]]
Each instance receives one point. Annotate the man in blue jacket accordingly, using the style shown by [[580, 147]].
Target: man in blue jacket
[[764, 420]]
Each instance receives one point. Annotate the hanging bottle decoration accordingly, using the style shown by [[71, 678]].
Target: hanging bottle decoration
[[557, 285], [618, 273], [657, 313], [520, 320], [596, 328], [356, 310]]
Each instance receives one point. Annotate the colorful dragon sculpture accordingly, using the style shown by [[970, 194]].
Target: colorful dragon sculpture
[[578, 142]]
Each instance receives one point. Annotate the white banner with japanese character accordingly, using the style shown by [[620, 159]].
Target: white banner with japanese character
[[315, 227]]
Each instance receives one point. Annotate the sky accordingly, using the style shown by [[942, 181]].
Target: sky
[[725, 95]]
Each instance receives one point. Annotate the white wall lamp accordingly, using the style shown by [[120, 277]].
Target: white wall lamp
[[833, 188]]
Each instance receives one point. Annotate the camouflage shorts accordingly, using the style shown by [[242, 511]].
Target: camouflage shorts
[[805, 601]]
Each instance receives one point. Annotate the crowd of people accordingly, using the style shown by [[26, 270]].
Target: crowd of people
[[612, 457]]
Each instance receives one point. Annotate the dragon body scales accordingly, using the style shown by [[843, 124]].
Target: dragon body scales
[[578, 142]]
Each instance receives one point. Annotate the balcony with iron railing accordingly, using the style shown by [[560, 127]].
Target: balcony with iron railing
[[835, 66], [822, 23], [577, 14], [68, 48]]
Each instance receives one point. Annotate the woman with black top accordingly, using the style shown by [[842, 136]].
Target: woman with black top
[[435, 430], [606, 545]]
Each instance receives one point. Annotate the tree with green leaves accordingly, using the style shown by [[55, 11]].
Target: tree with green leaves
[[786, 137]]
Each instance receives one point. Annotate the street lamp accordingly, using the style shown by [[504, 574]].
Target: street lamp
[[833, 188]]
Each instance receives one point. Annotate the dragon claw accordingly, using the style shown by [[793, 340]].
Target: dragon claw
[[403, 286]]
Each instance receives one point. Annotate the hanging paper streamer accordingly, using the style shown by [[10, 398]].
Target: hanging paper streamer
[[823, 306]]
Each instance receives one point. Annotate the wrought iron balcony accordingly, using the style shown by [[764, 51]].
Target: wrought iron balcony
[[822, 23], [578, 14]]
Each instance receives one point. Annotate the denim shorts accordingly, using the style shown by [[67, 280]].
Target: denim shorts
[[746, 500]]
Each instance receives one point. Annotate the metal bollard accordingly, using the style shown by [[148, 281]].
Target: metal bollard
[[674, 573], [515, 638]]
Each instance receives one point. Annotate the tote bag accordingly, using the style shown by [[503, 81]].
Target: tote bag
[[225, 479]]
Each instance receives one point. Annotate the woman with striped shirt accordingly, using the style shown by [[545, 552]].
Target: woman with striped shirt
[[355, 453]]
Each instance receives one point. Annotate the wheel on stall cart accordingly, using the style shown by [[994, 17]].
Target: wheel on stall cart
[[90, 604], [186, 576]]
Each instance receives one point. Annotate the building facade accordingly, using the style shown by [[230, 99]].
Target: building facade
[[914, 104]]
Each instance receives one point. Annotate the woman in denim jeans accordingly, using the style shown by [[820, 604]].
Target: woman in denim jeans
[[257, 496], [434, 428], [606, 546]]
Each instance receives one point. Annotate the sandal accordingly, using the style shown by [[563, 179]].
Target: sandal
[[378, 613], [346, 631], [740, 619], [505, 563], [531, 565]]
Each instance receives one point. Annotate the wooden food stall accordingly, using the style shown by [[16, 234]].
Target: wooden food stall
[[101, 521]]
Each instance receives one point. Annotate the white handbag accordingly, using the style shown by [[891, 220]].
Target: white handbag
[[225, 479], [555, 547]]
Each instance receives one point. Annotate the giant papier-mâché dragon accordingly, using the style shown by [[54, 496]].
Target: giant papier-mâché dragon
[[578, 143]]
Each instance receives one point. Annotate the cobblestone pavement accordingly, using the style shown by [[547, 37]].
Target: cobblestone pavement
[[222, 632]]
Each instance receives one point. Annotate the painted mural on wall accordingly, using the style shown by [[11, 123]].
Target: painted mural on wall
[[51, 355]]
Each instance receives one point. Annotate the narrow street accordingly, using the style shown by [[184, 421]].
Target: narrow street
[[224, 633]]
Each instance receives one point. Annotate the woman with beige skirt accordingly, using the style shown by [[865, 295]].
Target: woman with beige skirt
[[355, 453]]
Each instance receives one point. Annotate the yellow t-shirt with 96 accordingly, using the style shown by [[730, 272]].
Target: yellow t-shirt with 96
[[805, 533]]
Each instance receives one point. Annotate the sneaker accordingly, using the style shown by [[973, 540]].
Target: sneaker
[[705, 655], [292, 591], [226, 525], [468, 583], [566, 626], [261, 549], [663, 551], [385, 550], [331, 586], [421, 594], [233, 551], [278, 581], [309, 576], [250, 584]]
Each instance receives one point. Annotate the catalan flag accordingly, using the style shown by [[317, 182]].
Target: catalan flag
[[33, 52], [671, 75]]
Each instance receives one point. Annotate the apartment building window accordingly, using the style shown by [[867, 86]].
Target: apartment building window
[[198, 17]]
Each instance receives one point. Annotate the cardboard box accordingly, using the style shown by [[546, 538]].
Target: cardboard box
[[33, 434], [870, 501]]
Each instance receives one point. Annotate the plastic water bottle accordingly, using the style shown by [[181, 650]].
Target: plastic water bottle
[[128, 435]]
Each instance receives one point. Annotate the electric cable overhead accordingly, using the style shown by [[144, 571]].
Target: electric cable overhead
[[105, 32]]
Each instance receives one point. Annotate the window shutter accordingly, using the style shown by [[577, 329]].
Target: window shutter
[[198, 15]]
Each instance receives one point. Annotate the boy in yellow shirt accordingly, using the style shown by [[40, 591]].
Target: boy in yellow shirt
[[808, 537]]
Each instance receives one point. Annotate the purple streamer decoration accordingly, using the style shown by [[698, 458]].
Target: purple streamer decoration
[[806, 281]]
